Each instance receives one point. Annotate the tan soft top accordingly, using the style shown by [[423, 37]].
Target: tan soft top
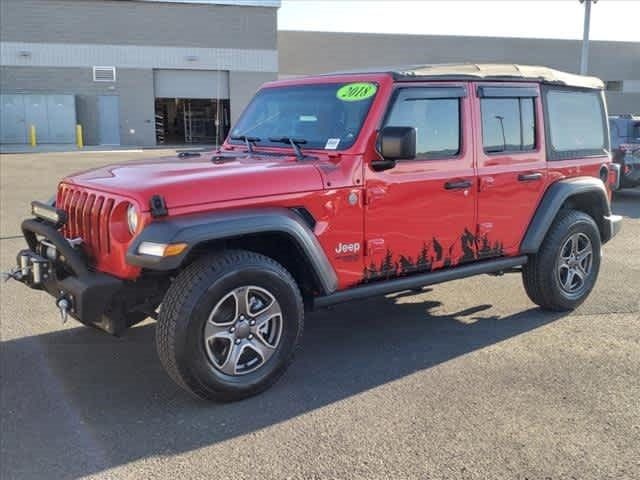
[[488, 71]]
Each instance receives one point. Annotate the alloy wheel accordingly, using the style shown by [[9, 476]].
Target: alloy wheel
[[243, 330], [575, 263]]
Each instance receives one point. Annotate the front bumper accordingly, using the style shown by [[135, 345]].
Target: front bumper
[[66, 276]]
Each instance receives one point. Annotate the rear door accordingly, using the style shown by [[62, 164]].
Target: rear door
[[420, 215], [512, 169]]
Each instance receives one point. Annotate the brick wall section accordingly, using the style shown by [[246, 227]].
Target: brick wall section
[[137, 23], [134, 86], [303, 53]]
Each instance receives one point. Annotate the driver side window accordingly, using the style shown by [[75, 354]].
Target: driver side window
[[436, 120]]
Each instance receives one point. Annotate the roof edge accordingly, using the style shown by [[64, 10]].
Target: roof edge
[[484, 71]]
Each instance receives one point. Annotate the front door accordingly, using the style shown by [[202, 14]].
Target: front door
[[420, 215], [512, 169], [109, 119]]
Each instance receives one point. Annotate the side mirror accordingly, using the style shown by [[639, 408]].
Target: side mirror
[[395, 143]]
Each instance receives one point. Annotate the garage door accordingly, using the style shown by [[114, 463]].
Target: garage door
[[191, 84]]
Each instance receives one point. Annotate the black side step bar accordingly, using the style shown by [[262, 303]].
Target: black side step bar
[[420, 280]]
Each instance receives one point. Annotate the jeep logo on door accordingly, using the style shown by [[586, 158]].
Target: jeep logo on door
[[347, 250]]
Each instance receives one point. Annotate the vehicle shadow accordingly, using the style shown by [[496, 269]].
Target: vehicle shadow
[[99, 402], [626, 202]]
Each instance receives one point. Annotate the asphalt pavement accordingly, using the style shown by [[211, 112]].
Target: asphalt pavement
[[464, 380]]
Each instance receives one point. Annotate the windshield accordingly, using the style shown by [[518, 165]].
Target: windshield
[[324, 116]]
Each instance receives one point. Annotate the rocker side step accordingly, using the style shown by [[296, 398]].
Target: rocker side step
[[419, 280]]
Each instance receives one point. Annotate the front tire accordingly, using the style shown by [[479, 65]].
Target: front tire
[[229, 325], [563, 272]]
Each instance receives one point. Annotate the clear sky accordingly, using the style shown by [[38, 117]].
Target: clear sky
[[610, 19]]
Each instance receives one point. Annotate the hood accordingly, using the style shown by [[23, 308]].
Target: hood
[[200, 179]]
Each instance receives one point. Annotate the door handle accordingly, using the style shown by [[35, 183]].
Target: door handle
[[457, 184], [530, 177]]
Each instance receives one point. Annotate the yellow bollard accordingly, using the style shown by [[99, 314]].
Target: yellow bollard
[[79, 140], [32, 135]]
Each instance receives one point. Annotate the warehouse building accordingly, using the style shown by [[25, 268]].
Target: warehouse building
[[132, 72], [617, 63], [153, 72]]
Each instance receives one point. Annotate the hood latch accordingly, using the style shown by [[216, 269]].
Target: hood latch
[[158, 206]]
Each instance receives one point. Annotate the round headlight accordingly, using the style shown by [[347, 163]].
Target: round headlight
[[132, 219]]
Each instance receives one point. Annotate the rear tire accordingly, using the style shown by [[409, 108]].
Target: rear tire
[[563, 272], [229, 325]]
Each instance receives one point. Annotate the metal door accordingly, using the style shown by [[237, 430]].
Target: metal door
[[12, 120], [109, 119], [61, 113], [36, 114]]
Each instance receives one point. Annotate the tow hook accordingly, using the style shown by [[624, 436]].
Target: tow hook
[[14, 273], [64, 305]]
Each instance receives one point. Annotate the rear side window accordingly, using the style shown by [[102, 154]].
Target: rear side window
[[508, 124], [576, 124], [437, 121]]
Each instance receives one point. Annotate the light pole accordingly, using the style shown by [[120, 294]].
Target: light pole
[[584, 61]]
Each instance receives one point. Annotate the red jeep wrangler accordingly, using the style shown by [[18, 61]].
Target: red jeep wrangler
[[330, 189]]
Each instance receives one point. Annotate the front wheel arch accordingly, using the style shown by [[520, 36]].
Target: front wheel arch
[[211, 231]]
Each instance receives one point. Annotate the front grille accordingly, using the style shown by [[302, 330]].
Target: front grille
[[87, 217]]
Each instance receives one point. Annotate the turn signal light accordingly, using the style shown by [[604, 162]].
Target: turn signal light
[[161, 249]]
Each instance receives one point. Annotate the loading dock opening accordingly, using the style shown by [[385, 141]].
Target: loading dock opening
[[191, 120], [191, 106]]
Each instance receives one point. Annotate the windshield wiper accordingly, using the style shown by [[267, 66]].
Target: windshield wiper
[[294, 142], [248, 141]]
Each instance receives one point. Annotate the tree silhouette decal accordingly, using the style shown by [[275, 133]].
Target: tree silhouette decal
[[472, 247]]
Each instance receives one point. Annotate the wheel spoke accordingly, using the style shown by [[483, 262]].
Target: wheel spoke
[[267, 314], [562, 269], [582, 271], [262, 347], [568, 283], [258, 297], [574, 243], [230, 364], [242, 301], [584, 253], [212, 331], [217, 310]]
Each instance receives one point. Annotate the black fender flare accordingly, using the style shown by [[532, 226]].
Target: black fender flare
[[555, 197], [205, 227]]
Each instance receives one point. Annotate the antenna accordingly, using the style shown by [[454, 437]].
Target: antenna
[[217, 122]]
